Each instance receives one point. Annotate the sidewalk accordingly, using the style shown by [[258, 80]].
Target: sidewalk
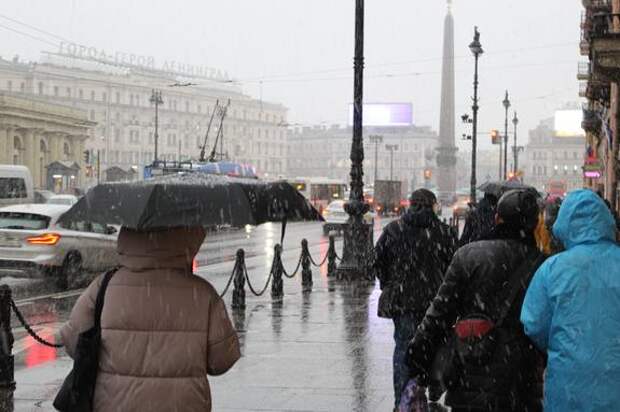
[[322, 351]]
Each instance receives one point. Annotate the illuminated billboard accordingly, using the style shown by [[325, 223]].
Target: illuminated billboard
[[385, 114], [568, 123]]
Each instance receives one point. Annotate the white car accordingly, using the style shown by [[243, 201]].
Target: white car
[[336, 217], [62, 200], [32, 244]]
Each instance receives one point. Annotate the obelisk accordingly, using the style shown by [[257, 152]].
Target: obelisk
[[446, 156]]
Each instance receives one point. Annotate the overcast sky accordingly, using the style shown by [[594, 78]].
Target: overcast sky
[[302, 50]]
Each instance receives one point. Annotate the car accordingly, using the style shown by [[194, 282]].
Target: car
[[336, 217], [62, 200], [33, 244]]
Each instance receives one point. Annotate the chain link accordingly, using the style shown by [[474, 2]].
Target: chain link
[[262, 292], [285, 273], [318, 264], [31, 332], [232, 275]]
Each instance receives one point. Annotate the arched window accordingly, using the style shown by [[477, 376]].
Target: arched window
[[66, 150], [40, 87]]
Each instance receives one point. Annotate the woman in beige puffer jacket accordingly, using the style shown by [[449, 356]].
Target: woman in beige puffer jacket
[[163, 329]]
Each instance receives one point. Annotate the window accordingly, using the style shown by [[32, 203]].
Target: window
[[187, 106], [81, 93], [137, 100], [131, 99], [199, 108], [117, 135], [9, 85], [104, 96], [40, 87], [174, 105], [56, 91], [13, 188], [68, 92], [118, 98], [92, 115], [92, 95], [22, 87]]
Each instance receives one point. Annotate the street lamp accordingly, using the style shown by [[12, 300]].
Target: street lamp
[[515, 122], [506, 104], [476, 49], [358, 240], [377, 140], [391, 148], [156, 100]]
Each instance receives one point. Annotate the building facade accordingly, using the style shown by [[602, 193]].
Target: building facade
[[47, 138], [117, 97], [550, 159], [403, 153]]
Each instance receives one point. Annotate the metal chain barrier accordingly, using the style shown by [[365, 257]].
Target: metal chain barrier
[[262, 292], [232, 276], [31, 332], [292, 275], [318, 265]]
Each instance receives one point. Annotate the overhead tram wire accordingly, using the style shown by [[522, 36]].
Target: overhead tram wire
[[28, 35], [47, 33]]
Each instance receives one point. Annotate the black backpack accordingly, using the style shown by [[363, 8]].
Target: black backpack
[[78, 390]]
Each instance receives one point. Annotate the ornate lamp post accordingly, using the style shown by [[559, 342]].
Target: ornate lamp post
[[515, 148], [357, 240], [476, 49], [506, 104], [156, 100]]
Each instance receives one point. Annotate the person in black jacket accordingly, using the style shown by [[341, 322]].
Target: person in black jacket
[[411, 257], [480, 221], [478, 282]]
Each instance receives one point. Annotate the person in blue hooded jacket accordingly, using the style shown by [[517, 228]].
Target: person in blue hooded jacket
[[572, 309]]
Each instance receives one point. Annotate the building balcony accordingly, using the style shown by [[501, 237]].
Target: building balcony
[[583, 71], [606, 56]]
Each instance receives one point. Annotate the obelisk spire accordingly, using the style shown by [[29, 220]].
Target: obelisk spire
[[446, 156]]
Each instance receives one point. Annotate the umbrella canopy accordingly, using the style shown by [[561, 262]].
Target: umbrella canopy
[[498, 188], [192, 199]]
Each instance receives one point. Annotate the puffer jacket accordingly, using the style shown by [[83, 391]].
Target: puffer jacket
[[478, 282], [572, 309], [163, 328], [411, 257]]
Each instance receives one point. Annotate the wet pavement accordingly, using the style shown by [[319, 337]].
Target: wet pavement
[[320, 351]]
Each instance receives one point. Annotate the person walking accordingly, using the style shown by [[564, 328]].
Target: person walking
[[476, 314], [163, 328], [480, 221], [572, 309], [411, 257]]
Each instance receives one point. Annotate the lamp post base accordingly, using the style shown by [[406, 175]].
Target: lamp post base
[[357, 251]]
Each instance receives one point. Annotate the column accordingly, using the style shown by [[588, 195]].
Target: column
[[6, 146]]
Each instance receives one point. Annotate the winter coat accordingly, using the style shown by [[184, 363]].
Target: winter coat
[[479, 222], [477, 282], [411, 257], [572, 309], [163, 328]]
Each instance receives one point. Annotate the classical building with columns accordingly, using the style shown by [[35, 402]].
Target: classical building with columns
[[47, 138], [115, 91]]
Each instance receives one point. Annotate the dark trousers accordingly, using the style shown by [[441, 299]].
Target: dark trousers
[[404, 329]]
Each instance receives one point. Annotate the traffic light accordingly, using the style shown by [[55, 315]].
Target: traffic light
[[495, 137], [428, 173], [87, 156]]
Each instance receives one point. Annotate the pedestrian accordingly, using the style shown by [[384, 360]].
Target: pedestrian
[[411, 257], [475, 315], [163, 328], [572, 309], [480, 220]]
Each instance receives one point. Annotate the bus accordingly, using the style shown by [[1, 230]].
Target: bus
[[320, 191], [224, 168]]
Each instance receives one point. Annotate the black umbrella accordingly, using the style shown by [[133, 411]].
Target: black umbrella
[[498, 188], [192, 199]]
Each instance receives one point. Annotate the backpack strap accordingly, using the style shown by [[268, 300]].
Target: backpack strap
[[101, 295], [527, 269]]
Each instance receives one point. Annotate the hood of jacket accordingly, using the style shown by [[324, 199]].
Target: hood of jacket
[[171, 248], [419, 218], [584, 219]]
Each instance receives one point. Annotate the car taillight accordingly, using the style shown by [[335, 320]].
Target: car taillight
[[45, 239], [325, 212], [194, 265]]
